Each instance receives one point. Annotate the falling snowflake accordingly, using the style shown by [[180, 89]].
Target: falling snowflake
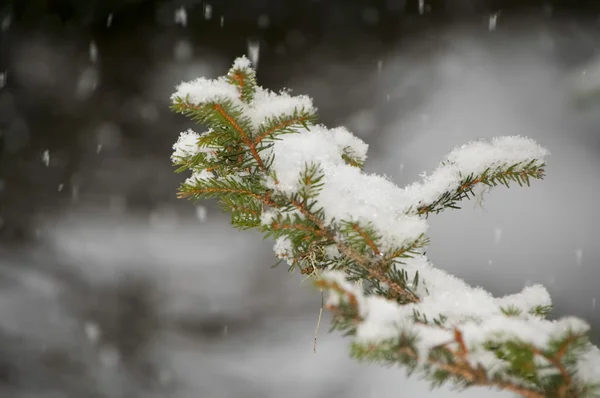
[[493, 21], [207, 11], [181, 16], [93, 52], [253, 52], [46, 157], [87, 83], [201, 213], [92, 332]]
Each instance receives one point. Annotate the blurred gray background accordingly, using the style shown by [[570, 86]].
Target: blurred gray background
[[111, 287]]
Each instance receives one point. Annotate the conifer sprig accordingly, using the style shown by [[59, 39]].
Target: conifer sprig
[[273, 168], [521, 173]]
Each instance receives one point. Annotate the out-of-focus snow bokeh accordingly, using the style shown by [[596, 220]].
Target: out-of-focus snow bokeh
[[111, 287]]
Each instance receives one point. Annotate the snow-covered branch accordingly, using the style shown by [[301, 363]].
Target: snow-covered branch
[[273, 168]]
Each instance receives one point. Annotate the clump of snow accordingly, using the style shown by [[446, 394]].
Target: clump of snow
[[267, 104], [588, 366], [242, 63], [294, 151], [535, 331], [199, 176], [528, 299], [473, 159], [476, 157], [444, 294], [369, 199], [356, 147], [204, 91], [382, 320], [186, 145], [332, 251], [427, 338], [283, 249], [491, 363], [268, 216]]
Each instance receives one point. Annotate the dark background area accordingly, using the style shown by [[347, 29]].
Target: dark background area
[[141, 35], [111, 287]]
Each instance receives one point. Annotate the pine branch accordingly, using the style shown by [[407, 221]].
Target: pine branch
[[283, 124], [520, 172], [243, 134], [224, 114], [444, 362], [302, 184], [243, 77]]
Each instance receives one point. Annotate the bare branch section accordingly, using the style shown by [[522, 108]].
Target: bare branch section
[[273, 168]]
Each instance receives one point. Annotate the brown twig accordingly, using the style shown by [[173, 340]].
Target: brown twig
[[191, 192]]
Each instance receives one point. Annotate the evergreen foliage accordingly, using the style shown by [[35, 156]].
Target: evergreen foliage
[[272, 167]]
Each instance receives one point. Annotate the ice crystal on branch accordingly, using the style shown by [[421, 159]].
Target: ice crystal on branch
[[272, 167]]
